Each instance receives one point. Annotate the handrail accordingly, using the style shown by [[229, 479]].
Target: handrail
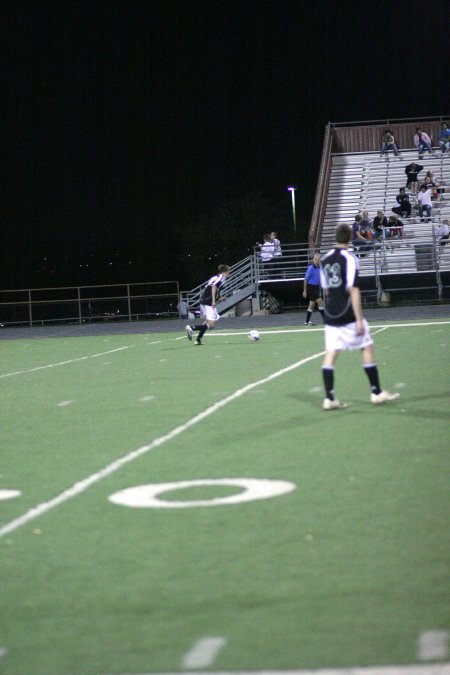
[[168, 299]]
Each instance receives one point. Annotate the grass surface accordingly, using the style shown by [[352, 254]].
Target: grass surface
[[348, 569]]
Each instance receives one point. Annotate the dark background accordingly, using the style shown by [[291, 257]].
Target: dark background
[[147, 141]]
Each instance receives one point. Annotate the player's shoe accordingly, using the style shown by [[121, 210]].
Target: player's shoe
[[383, 397], [189, 332], [328, 404], [309, 323], [197, 341]]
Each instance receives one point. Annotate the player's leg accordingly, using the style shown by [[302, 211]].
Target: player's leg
[[330, 402], [309, 312], [377, 395]]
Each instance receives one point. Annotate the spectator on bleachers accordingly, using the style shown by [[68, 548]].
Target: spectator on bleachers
[[412, 171], [424, 199], [404, 206], [432, 182], [379, 223], [360, 239], [444, 137], [395, 227], [267, 249], [388, 143], [443, 233], [422, 142], [366, 221], [277, 252]]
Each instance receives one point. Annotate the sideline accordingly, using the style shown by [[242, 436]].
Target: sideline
[[81, 486], [439, 669]]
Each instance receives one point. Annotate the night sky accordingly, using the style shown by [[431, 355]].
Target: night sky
[[125, 121]]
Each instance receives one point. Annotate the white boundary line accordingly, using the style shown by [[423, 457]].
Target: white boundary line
[[65, 363], [438, 669], [83, 485]]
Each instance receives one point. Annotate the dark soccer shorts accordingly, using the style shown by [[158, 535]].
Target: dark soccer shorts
[[313, 292]]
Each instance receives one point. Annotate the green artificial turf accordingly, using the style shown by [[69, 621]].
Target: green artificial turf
[[348, 569]]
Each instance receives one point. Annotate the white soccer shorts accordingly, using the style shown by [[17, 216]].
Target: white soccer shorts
[[338, 338], [210, 313]]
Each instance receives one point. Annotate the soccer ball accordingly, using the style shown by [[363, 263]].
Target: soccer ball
[[254, 335]]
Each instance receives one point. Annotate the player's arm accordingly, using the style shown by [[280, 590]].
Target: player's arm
[[355, 297], [213, 295], [305, 284]]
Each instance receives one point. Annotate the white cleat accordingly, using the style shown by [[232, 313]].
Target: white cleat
[[383, 397], [189, 332], [328, 404]]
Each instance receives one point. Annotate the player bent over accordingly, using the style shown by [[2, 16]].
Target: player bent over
[[208, 300], [345, 326]]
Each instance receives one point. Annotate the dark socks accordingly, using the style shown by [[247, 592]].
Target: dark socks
[[308, 316], [328, 381], [202, 331], [372, 373]]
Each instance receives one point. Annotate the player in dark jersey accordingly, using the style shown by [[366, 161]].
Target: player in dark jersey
[[345, 326], [208, 300]]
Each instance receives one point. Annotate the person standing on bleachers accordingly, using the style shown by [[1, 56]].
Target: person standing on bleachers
[[388, 143], [424, 199], [444, 137], [422, 142], [404, 206], [412, 171]]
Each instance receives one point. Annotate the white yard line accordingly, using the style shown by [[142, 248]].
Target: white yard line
[[438, 669], [203, 652], [433, 645], [65, 363], [81, 486]]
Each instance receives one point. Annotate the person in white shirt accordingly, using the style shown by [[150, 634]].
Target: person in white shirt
[[443, 233], [424, 199], [267, 249], [277, 252]]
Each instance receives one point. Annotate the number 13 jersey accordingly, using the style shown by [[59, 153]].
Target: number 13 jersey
[[338, 271]]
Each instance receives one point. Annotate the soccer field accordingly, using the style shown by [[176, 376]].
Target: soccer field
[[262, 533]]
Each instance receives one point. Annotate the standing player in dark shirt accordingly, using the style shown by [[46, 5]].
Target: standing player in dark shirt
[[345, 326], [208, 300]]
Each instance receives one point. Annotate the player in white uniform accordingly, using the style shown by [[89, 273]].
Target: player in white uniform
[[208, 301], [345, 326]]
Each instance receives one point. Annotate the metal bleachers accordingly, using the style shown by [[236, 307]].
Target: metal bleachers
[[366, 181]]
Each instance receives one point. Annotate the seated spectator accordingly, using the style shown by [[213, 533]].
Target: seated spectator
[[424, 199], [444, 137], [267, 249], [388, 143], [379, 222], [412, 171], [404, 206], [395, 227], [422, 142], [443, 233], [360, 240], [366, 223], [277, 252], [431, 182]]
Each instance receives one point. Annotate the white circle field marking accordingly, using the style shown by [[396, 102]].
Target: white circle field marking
[[9, 494], [146, 496]]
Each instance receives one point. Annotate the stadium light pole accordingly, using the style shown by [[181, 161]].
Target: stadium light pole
[[292, 191]]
